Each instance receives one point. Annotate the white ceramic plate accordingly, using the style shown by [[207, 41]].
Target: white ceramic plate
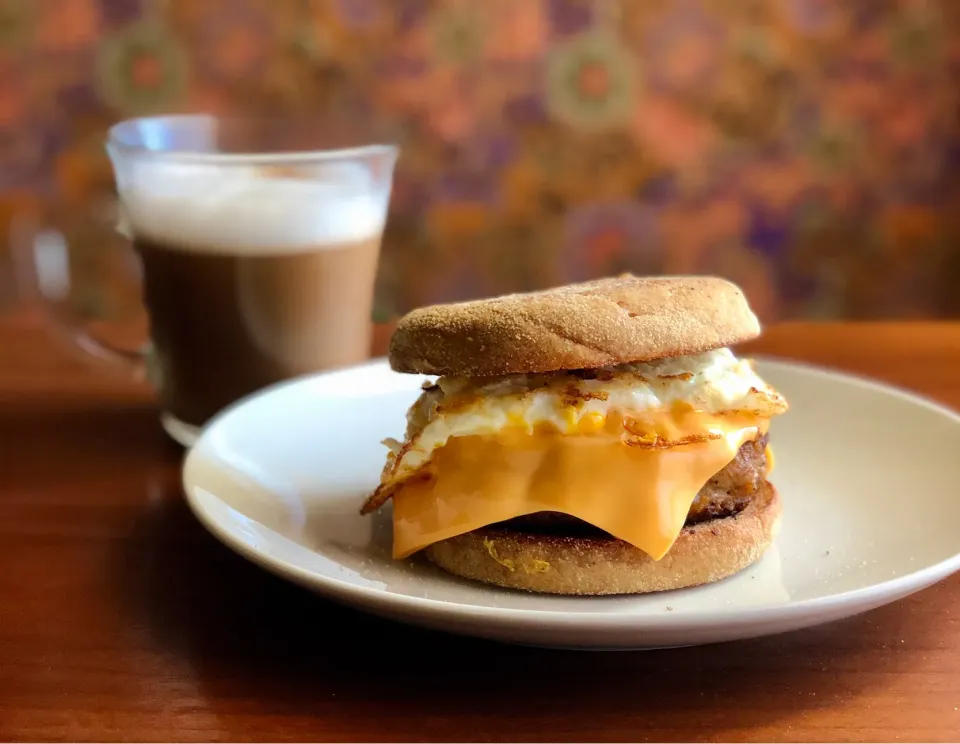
[[868, 476]]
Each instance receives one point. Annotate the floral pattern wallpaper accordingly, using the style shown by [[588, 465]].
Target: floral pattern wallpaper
[[807, 149]]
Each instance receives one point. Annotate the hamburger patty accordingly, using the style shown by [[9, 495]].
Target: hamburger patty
[[724, 495]]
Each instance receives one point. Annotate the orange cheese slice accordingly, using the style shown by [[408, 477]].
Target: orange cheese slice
[[639, 494]]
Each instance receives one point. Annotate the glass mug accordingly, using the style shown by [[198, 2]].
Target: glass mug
[[256, 264]]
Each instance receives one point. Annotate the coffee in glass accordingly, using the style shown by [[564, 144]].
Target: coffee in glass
[[256, 266]]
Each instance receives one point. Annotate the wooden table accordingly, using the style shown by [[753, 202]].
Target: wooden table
[[121, 618]]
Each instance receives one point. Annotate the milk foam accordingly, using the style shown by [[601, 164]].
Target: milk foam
[[240, 210]]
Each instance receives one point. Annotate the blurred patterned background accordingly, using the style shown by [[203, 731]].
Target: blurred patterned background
[[806, 149]]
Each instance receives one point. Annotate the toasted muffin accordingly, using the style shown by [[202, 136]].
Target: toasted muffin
[[598, 438]]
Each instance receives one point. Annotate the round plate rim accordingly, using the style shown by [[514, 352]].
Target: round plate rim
[[362, 596]]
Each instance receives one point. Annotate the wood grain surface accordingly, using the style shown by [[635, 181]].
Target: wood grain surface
[[122, 619]]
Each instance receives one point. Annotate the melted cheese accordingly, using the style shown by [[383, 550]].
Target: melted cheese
[[640, 494]]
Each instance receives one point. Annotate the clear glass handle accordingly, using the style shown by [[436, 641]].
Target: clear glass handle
[[48, 277]]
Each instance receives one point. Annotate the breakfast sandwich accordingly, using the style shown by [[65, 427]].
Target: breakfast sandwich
[[598, 438]]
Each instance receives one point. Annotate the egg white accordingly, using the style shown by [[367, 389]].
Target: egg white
[[713, 382]]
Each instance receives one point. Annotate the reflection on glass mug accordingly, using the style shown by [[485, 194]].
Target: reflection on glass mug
[[257, 264]]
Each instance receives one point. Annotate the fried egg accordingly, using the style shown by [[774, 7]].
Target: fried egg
[[576, 402]]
